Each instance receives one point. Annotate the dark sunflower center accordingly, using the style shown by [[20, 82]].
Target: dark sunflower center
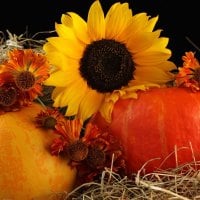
[[77, 151], [106, 65], [96, 157], [197, 75], [8, 96], [49, 122], [25, 80]]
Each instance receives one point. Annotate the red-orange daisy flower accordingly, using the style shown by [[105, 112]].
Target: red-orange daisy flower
[[189, 74], [69, 132], [9, 93], [29, 69], [48, 118], [90, 152], [103, 151]]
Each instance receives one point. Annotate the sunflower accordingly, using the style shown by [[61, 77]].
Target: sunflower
[[104, 59]]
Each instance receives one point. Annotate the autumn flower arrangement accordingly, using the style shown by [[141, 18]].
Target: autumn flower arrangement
[[89, 66]]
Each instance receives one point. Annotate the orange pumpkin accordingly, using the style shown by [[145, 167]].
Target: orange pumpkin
[[27, 169], [160, 129]]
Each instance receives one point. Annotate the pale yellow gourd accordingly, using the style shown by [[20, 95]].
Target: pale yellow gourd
[[27, 169]]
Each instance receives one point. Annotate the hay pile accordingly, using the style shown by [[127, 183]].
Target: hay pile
[[180, 183]]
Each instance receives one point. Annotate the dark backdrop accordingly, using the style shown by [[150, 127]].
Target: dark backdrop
[[178, 19]]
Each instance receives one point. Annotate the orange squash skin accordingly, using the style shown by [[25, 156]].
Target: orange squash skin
[[160, 129], [27, 169]]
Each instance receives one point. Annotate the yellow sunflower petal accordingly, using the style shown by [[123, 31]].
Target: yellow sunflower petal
[[70, 48], [68, 96], [65, 32], [66, 20], [57, 96], [117, 19], [73, 98], [57, 91], [90, 104], [79, 27], [106, 107], [138, 23], [165, 66], [62, 62], [151, 24], [106, 110], [153, 75], [150, 58], [47, 47], [96, 21], [142, 41], [57, 79], [160, 44], [55, 58]]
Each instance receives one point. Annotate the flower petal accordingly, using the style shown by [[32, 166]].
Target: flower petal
[[165, 66], [70, 48], [141, 41], [79, 27], [153, 75], [68, 96], [150, 58], [117, 19], [151, 24], [90, 104], [96, 22], [65, 32], [57, 79], [62, 78], [67, 20], [160, 44], [138, 23]]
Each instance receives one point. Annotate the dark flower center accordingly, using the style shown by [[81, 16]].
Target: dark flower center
[[8, 96], [106, 65], [96, 157], [197, 75], [25, 80], [49, 122], [77, 151]]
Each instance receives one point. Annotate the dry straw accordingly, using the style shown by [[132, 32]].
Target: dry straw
[[180, 183]]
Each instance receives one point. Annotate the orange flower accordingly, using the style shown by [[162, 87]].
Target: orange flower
[[9, 93], [91, 152], [189, 74], [103, 151], [29, 69], [69, 132], [48, 118], [21, 78]]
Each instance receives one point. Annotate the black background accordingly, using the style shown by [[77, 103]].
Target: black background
[[178, 19]]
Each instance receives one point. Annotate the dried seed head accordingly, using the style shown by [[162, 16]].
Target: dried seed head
[[8, 96], [197, 75], [25, 80], [49, 122], [77, 151], [96, 157]]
